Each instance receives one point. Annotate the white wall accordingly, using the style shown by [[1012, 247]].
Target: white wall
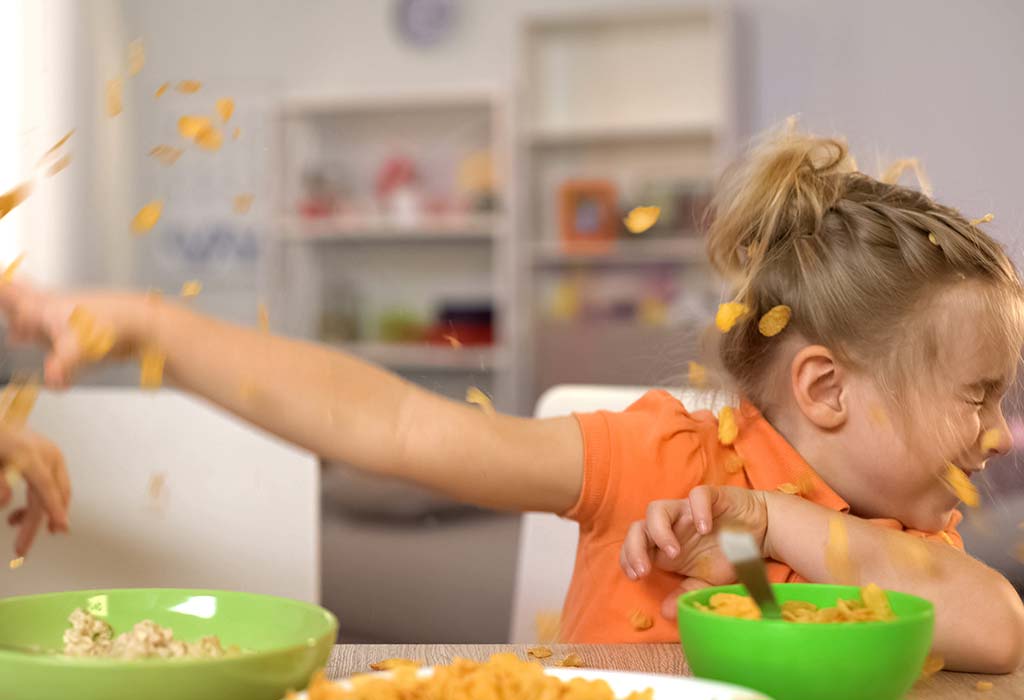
[[940, 81]]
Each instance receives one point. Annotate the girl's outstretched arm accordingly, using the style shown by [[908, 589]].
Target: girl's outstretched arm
[[323, 400]]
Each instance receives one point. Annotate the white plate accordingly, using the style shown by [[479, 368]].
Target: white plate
[[665, 687]]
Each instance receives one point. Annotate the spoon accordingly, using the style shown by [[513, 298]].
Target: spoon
[[745, 556]]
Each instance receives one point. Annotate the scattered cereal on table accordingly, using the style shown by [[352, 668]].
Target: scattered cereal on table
[[570, 661], [774, 321], [729, 313], [932, 665], [641, 219], [727, 428], [538, 652], [391, 664]]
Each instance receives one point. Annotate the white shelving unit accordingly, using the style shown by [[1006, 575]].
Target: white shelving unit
[[397, 260], [631, 97]]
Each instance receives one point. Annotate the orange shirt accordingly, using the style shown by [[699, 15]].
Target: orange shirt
[[654, 450]]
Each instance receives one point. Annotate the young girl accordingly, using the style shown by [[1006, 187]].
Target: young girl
[[906, 328]]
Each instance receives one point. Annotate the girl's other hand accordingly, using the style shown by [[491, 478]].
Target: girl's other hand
[[678, 536], [49, 490]]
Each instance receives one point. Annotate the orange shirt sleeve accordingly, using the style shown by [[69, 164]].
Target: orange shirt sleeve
[[650, 451]]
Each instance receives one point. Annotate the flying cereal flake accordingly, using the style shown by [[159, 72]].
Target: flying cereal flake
[[59, 164], [641, 621], [983, 220], [8, 274], [452, 340], [136, 57], [147, 217], [727, 428], [729, 313], [225, 108], [789, 487], [983, 686], [570, 661], [837, 553], [475, 396], [242, 203], [697, 374], [548, 626], [774, 321], [190, 125], [167, 155], [734, 464], [932, 665], [151, 368], [210, 139], [932, 239], [114, 101], [16, 563], [990, 440], [641, 218], [13, 197], [55, 147], [946, 538], [236, 133], [264, 317], [391, 664], [191, 289], [188, 87], [538, 652], [95, 342], [961, 485], [161, 90]]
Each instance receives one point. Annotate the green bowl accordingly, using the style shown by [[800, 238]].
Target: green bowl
[[285, 642], [789, 661]]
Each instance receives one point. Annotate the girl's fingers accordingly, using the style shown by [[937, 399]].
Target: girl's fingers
[[15, 518], [44, 487], [670, 606], [63, 360], [702, 499], [29, 525], [661, 517], [634, 556], [5, 490], [60, 472]]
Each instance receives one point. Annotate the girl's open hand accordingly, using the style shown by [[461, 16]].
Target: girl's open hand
[[678, 536], [78, 329], [41, 464]]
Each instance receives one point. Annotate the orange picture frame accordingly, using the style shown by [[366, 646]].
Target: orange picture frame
[[588, 215]]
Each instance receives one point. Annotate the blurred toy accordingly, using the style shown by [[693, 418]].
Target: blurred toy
[[400, 326], [317, 200], [477, 181], [397, 189], [467, 323]]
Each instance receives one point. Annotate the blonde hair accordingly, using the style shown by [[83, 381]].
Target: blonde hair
[[858, 260]]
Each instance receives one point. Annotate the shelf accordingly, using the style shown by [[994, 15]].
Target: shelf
[[595, 135], [476, 228], [423, 356], [356, 103], [679, 251]]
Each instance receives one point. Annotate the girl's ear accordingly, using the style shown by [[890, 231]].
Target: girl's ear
[[819, 387]]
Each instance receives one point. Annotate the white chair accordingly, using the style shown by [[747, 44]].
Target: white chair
[[547, 543], [169, 491]]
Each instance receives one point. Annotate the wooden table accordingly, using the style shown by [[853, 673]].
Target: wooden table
[[348, 659]]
